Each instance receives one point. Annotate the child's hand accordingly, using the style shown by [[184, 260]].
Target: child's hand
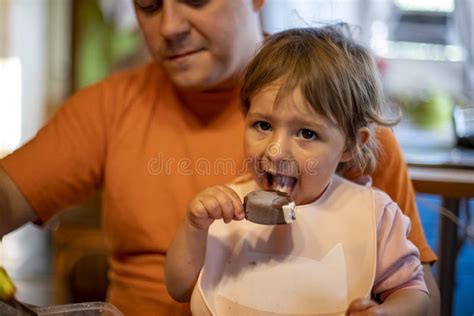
[[364, 307], [215, 203]]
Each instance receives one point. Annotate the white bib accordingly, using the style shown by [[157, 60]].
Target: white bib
[[314, 266]]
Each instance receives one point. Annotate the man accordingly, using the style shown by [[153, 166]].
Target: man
[[152, 138]]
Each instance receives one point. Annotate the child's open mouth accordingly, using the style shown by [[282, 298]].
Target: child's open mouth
[[279, 182]]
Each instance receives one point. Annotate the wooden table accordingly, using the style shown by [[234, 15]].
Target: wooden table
[[454, 181]]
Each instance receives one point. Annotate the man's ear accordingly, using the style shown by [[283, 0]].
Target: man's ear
[[258, 4], [362, 139]]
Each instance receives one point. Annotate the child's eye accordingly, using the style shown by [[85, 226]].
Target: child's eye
[[307, 134], [149, 6], [263, 126]]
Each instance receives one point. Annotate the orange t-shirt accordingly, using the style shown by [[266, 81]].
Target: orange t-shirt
[[131, 135]]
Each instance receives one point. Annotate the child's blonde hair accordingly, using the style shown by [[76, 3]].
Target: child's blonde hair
[[337, 76]]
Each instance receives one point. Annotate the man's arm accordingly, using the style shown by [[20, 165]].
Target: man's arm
[[14, 208]]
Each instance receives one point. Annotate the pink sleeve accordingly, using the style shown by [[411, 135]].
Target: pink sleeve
[[398, 263]]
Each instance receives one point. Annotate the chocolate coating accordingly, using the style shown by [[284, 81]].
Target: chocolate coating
[[269, 207]]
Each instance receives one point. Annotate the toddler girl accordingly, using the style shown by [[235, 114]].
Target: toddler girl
[[311, 100]]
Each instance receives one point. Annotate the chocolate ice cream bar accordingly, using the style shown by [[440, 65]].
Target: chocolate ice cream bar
[[269, 207]]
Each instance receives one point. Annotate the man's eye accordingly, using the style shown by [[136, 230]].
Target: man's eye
[[307, 134], [263, 126], [149, 6], [196, 3]]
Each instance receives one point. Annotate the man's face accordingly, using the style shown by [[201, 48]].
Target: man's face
[[201, 44]]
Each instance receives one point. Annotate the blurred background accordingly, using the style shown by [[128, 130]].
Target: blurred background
[[425, 54]]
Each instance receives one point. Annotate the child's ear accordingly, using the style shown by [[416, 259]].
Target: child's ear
[[362, 139]]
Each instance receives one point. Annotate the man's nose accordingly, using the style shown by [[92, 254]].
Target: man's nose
[[174, 25]]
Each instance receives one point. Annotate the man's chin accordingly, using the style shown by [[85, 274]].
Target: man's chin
[[185, 80], [194, 83], [196, 78]]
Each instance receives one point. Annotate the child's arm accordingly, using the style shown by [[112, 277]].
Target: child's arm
[[187, 251], [406, 302], [401, 302]]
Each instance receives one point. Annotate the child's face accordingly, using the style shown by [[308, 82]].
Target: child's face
[[290, 147]]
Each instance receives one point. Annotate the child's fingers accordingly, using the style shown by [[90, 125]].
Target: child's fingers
[[197, 209], [212, 206], [215, 203], [198, 214], [238, 211], [225, 202]]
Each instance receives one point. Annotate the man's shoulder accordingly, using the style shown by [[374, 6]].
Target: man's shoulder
[[119, 93], [132, 87], [389, 148]]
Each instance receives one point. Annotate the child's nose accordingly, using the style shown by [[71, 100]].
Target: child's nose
[[279, 157], [278, 149]]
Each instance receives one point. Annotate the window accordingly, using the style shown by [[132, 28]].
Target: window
[[422, 29], [423, 44], [414, 29], [10, 105]]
